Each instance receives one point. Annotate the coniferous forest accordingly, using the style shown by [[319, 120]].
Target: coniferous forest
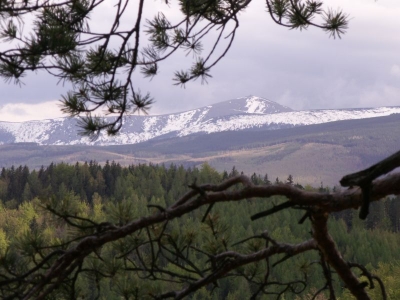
[[47, 209]]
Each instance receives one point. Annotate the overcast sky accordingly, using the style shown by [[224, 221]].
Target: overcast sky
[[302, 70]]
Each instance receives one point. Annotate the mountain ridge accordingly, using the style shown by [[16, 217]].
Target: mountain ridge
[[244, 113]]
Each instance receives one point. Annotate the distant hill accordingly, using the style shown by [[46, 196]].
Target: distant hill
[[311, 154]]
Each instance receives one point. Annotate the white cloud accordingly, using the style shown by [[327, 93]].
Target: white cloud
[[19, 112], [389, 95], [395, 70]]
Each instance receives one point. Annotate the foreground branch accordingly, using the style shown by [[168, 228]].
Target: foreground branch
[[229, 261], [333, 256], [364, 178]]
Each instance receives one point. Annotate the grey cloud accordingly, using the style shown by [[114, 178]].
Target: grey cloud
[[36, 88], [302, 70]]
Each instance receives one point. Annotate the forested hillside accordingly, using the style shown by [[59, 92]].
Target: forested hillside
[[32, 225]]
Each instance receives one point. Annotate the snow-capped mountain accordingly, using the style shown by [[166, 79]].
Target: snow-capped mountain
[[246, 113]]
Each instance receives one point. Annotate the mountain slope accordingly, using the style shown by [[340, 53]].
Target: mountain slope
[[247, 113], [312, 154]]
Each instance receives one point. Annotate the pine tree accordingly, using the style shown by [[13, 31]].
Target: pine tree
[[266, 180], [289, 180]]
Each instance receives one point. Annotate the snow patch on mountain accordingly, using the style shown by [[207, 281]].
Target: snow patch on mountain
[[256, 105], [289, 119]]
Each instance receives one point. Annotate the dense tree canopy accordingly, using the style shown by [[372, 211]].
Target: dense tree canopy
[[87, 231]]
